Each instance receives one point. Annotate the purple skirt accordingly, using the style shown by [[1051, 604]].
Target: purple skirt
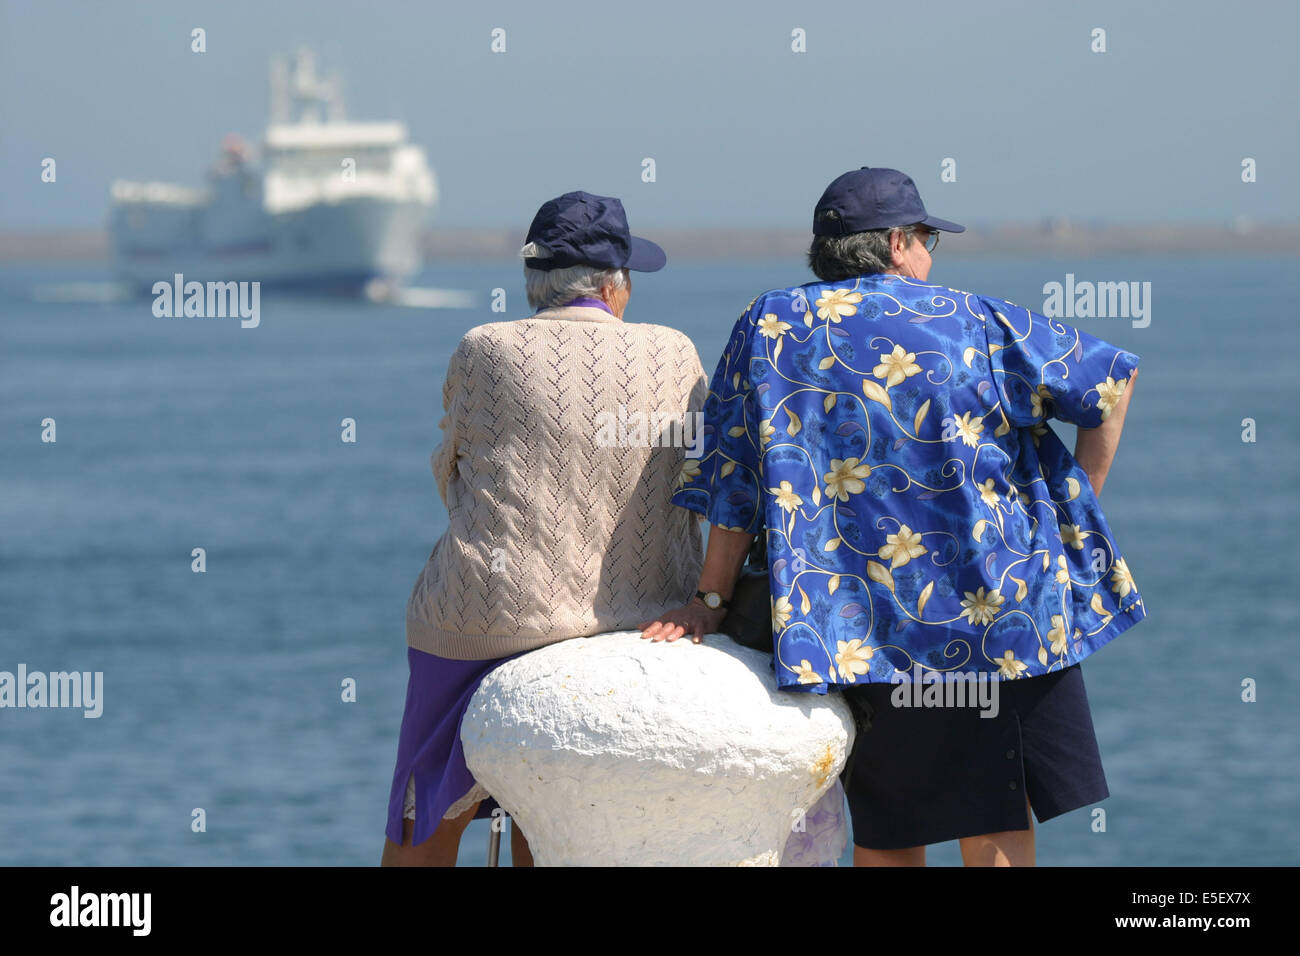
[[429, 747]]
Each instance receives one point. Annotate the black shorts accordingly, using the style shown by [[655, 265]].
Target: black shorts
[[925, 775]]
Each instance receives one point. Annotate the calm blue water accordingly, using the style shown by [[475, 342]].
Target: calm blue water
[[223, 688]]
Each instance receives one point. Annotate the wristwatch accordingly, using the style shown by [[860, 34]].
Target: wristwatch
[[713, 600]]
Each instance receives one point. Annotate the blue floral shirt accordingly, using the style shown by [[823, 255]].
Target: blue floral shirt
[[891, 437]]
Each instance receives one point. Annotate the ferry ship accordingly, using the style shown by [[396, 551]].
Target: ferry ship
[[329, 202]]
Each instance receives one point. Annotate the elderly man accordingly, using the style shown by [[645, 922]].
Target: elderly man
[[889, 437], [554, 531]]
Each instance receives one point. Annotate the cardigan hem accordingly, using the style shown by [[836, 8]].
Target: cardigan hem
[[459, 646]]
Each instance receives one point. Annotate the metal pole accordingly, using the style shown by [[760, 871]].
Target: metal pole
[[494, 842]]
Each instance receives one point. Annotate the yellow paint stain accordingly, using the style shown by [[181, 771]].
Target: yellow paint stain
[[822, 768]]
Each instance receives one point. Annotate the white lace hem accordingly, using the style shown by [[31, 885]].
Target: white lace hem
[[475, 794]]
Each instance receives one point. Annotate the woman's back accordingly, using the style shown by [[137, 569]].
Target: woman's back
[[560, 518]]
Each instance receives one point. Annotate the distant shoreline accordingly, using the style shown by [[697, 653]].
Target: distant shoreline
[[1056, 239]]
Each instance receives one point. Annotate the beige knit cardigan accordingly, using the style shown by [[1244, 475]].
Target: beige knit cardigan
[[553, 532]]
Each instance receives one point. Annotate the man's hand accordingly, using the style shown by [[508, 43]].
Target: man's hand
[[693, 618], [722, 561]]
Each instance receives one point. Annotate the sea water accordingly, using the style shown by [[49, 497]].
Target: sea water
[[223, 691]]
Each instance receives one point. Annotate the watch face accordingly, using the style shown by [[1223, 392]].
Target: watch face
[[713, 600]]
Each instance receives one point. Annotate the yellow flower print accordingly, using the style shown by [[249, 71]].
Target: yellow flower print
[[837, 304], [806, 673], [969, 428], [1108, 395], [852, 658], [981, 608], [765, 432], [845, 478], [772, 326], [786, 499], [987, 494], [1036, 400], [781, 611], [688, 471], [1008, 666], [1057, 634], [902, 547], [896, 367], [1062, 571], [1121, 580], [1037, 432], [1072, 535]]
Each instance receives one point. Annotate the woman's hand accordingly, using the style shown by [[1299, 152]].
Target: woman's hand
[[693, 618]]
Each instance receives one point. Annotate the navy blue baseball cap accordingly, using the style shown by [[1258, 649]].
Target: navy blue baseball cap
[[870, 198], [579, 229]]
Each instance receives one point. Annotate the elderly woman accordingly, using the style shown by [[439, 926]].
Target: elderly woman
[[924, 524], [558, 527]]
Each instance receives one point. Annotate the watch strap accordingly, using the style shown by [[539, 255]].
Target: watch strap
[[723, 603]]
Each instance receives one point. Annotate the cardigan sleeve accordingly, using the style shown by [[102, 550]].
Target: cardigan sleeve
[[699, 385], [444, 456]]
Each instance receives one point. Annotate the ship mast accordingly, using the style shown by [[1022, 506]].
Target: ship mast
[[298, 95]]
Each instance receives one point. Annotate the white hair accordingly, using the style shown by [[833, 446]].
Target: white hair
[[550, 288]]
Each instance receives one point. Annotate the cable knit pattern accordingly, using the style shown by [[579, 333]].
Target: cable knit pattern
[[551, 535]]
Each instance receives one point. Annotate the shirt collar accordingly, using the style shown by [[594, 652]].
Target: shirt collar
[[581, 309], [587, 302]]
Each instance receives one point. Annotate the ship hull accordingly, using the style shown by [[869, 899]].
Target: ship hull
[[338, 246]]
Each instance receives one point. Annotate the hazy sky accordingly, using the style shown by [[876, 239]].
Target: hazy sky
[[742, 129]]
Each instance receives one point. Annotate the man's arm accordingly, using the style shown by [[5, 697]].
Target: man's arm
[[1095, 448], [722, 563]]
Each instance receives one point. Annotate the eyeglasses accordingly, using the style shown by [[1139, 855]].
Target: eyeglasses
[[931, 239]]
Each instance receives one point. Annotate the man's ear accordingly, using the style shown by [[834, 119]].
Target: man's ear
[[897, 243]]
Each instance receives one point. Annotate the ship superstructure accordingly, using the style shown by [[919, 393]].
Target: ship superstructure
[[328, 202]]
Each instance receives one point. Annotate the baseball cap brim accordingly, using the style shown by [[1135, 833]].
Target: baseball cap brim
[[943, 225], [645, 256]]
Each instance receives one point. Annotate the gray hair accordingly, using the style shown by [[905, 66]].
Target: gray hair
[[832, 258], [548, 289]]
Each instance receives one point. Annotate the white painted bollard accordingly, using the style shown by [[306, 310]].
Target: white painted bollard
[[614, 750]]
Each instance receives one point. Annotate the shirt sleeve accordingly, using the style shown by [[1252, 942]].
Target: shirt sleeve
[[722, 483], [1043, 368]]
